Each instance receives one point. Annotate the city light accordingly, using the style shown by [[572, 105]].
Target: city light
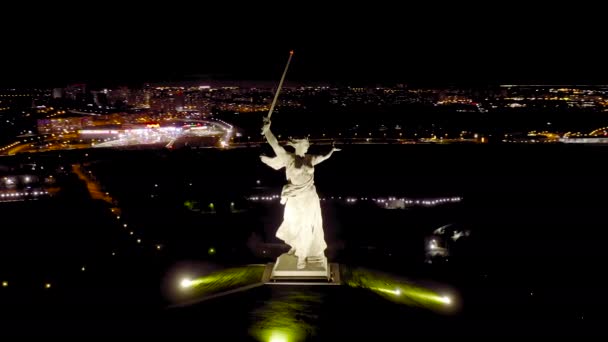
[[391, 202]]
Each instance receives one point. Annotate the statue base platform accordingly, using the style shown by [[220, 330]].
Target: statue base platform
[[285, 271]]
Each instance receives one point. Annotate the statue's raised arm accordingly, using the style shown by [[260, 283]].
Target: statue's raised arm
[[272, 140], [280, 160], [282, 157]]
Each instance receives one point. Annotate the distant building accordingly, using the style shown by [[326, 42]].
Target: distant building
[[75, 92], [63, 125], [179, 100], [100, 98], [58, 93]]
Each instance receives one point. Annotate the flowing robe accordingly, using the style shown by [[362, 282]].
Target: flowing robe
[[302, 226]]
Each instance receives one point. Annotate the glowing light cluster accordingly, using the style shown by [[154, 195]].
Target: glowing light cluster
[[98, 131], [426, 202], [9, 146], [381, 200], [154, 133], [264, 198], [23, 194]]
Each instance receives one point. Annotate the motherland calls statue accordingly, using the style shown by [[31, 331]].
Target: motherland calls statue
[[302, 226]]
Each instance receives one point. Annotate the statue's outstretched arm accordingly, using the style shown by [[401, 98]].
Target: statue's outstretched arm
[[319, 159], [275, 163]]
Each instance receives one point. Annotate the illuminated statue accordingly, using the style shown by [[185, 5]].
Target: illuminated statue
[[302, 226]]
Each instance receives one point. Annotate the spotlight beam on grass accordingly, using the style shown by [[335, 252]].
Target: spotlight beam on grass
[[398, 291], [191, 290]]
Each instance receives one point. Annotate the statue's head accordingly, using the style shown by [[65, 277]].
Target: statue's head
[[300, 145]]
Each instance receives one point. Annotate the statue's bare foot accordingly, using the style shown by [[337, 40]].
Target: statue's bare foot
[[292, 251], [301, 263]]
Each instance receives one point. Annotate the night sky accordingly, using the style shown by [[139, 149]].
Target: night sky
[[112, 44]]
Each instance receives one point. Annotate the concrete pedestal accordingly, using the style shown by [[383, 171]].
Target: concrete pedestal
[[286, 269]]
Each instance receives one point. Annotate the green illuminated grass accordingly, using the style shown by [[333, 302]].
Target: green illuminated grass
[[224, 280], [396, 290], [287, 318]]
